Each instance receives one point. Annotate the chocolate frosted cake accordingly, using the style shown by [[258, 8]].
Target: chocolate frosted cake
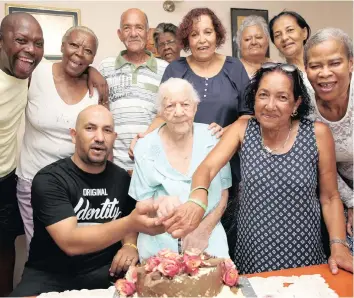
[[172, 275], [207, 283]]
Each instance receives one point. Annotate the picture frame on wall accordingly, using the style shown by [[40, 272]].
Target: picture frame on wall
[[237, 17], [54, 22]]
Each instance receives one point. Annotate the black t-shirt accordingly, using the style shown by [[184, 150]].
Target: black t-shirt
[[63, 190]]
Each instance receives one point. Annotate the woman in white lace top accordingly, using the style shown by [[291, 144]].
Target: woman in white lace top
[[329, 66]]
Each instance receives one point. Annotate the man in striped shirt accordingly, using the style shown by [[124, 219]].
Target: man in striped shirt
[[133, 79]]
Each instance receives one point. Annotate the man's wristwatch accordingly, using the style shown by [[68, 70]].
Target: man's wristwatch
[[343, 242]]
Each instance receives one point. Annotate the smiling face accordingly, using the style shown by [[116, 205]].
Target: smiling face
[[289, 37], [168, 47], [274, 100], [178, 111], [79, 50], [329, 69], [202, 39], [21, 47], [254, 43], [133, 30]]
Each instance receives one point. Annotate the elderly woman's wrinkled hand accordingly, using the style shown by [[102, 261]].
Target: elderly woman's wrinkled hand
[[165, 205], [340, 258], [197, 239], [183, 220], [133, 143], [96, 80], [143, 219], [216, 130]]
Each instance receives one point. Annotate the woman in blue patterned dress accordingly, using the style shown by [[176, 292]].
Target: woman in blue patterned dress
[[283, 155]]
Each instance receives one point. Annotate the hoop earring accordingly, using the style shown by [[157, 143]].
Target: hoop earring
[[294, 113]]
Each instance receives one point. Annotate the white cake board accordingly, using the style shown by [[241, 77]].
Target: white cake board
[[305, 286]]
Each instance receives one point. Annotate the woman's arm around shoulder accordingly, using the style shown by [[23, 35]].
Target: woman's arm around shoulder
[[327, 170], [332, 206], [229, 143]]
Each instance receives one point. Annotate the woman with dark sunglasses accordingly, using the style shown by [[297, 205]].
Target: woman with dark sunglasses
[[283, 158], [329, 67]]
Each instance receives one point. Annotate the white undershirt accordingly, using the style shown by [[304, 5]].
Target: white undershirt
[[48, 122]]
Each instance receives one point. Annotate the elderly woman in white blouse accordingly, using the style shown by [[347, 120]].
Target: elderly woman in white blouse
[[252, 40], [58, 92], [165, 161], [329, 65]]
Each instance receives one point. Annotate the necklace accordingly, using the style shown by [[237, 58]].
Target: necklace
[[271, 151]]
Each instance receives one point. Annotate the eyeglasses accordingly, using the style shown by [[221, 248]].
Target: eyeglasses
[[166, 43], [283, 66]]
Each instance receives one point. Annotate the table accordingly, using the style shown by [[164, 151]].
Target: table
[[341, 283]]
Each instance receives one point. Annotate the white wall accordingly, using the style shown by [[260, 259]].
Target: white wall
[[103, 18]]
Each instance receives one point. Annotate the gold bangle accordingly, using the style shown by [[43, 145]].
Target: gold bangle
[[199, 187], [131, 245]]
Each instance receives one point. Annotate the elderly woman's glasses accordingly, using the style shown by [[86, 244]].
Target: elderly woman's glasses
[[283, 66], [166, 43]]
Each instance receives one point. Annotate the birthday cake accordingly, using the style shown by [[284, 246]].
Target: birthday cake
[[170, 274]]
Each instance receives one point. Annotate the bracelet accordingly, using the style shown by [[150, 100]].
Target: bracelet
[[131, 245], [343, 242], [199, 187], [199, 203]]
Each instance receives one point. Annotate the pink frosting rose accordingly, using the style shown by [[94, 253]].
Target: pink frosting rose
[[152, 263], [125, 288], [132, 274], [168, 254], [169, 267], [191, 263], [193, 252], [229, 264], [230, 277]]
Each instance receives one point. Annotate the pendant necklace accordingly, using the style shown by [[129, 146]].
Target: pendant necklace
[[271, 151]]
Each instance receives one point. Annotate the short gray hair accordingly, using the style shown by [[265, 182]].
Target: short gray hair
[[175, 85], [327, 34], [81, 29], [249, 21], [164, 28]]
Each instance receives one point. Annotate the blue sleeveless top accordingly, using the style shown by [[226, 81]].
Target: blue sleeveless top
[[279, 222]]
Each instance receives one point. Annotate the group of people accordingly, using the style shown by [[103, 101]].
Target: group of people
[[207, 151]]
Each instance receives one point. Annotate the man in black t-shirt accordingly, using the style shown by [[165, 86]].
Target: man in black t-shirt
[[81, 213]]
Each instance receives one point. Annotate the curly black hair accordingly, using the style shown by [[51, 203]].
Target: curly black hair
[[299, 89]]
